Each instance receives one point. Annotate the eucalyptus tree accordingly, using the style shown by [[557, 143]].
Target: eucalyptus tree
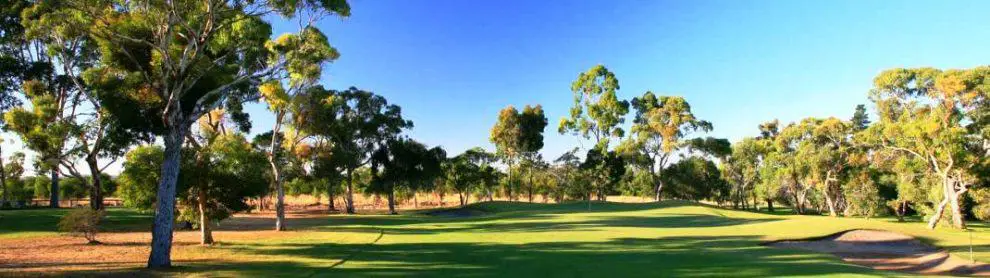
[[768, 186], [355, 123], [173, 62], [825, 150], [597, 113], [461, 174], [16, 62], [923, 114], [222, 172], [742, 168], [488, 175], [403, 164], [659, 129], [304, 55], [518, 135], [91, 132]]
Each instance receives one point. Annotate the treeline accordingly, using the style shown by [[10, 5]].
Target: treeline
[[163, 86]]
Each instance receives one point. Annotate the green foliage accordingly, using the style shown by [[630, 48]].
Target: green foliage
[[597, 112], [138, 181], [84, 222], [696, 178]]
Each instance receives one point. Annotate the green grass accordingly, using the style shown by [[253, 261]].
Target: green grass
[[536, 240], [44, 221]]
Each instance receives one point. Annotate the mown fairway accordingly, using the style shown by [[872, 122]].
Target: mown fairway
[[500, 239]]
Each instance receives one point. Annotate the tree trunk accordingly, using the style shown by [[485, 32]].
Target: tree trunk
[[3, 181], [508, 184], [204, 222], [957, 214], [391, 201], [461, 195], [53, 199], [828, 201], [96, 192], [415, 200], [589, 200], [939, 209], [349, 198], [330, 200], [280, 197], [901, 210], [658, 189], [161, 233], [769, 205], [530, 189]]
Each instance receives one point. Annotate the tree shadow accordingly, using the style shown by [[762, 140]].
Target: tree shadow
[[690, 256]]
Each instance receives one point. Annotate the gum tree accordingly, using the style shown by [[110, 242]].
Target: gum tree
[[174, 61], [518, 135], [597, 113], [923, 114], [659, 129]]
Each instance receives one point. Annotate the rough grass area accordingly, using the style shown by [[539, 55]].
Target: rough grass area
[[502, 240]]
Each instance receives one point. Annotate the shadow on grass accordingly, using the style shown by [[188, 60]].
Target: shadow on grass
[[46, 220], [737, 256]]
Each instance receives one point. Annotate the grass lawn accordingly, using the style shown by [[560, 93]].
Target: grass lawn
[[513, 240]]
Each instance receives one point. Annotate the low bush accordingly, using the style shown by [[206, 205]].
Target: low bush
[[84, 222]]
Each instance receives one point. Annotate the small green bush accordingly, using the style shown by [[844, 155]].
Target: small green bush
[[83, 222]]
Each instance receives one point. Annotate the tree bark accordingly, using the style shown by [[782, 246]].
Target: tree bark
[[530, 188], [349, 198], [939, 209], [3, 182], [53, 199], [508, 184], [96, 192], [461, 195], [659, 189], [161, 233], [769, 205], [829, 202], [204, 222], [391, 201], [958, 221]]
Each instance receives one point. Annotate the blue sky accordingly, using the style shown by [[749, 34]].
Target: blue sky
[[452, 64]]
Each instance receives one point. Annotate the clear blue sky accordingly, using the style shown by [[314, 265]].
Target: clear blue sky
[[452, 64]]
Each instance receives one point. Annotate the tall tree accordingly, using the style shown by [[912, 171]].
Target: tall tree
[[461, 174], [355, 123], [403, 164], [304, 55], [742, 168], [659, 129], [597, 113], [518, 135], [176, 61], [923, 114]]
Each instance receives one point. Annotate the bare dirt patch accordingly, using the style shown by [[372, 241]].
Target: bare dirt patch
[[889, 251]]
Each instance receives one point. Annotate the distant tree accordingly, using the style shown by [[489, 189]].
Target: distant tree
[[403, 164], [696, 178], [518, 136], [596, 114], [860, 119], [461, 174], [355, 123], [659, 129], [742, 168]]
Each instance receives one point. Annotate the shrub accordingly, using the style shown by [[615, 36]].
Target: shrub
[[83, 222]]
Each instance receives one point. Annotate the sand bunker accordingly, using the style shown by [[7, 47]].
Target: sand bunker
[[889, 251]]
